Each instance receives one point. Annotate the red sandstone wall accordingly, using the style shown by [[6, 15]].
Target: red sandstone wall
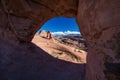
[[99, 22]]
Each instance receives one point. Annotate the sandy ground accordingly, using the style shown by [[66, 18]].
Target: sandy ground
[[59, 50]]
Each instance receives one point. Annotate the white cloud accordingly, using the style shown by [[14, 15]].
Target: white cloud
[[58, 33], [72, 32], [66, 33]]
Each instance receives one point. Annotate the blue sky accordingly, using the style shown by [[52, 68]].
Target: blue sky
[[61, 25]]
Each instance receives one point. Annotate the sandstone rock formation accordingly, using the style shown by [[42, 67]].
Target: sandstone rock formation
[[24, 17], [59, 50], [74, 41], [46, 35], [100, 25], [43, 33], [99, 22]]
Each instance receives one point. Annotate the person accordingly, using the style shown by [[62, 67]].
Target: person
[[49, 36]]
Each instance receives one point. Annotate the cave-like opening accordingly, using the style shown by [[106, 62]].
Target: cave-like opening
[[61, 38]]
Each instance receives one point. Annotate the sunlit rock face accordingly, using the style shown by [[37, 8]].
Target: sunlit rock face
[[99, 22]]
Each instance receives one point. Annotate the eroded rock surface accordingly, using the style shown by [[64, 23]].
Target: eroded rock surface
[[19, 58], [26, 16], [99, 22], [100, 25]]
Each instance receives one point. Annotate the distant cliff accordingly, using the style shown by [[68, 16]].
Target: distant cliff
[[74, 41]]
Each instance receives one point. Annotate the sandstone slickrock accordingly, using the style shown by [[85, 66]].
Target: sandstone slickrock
[[58, 50], [99, 22]]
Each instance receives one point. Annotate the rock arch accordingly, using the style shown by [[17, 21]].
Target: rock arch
[[98, 20]]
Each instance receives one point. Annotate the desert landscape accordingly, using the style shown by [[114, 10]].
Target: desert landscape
[[59, 47]]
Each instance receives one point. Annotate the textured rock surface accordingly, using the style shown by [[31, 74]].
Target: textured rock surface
[[24, 17], [99, 21], [19, 58]]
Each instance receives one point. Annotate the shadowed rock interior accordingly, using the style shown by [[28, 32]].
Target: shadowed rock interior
[[98, 20]]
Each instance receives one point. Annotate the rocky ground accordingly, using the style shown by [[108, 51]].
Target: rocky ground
[[77, 42], [59, 50]]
